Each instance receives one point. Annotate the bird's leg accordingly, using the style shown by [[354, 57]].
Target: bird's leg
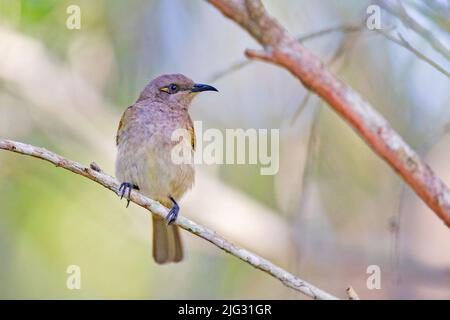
[[123, 189], [173, 213]]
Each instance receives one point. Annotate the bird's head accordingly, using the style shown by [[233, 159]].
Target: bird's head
[[174, 88]]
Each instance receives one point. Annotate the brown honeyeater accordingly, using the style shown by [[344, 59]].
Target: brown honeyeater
[[144, 159]]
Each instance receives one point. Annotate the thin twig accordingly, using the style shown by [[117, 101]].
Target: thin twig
[[333, 59], [345, 28], [350, 28], [396, 220], [405, 44], [95, 174], [400, 12], [351, 293], [234, 67], [301, 107]]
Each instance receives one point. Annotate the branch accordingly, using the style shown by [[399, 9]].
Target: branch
[[345, 29], [282, 49], [351, 293], [95, 174]]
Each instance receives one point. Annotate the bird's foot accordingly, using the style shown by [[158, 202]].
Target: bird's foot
[[123, 190], [173, 213]]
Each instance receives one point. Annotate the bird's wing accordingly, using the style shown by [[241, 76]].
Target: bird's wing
[[192, 133], [124, 117]]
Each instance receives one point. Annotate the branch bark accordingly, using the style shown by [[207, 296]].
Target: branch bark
[[345, 29], [282, 49], [94, 173]]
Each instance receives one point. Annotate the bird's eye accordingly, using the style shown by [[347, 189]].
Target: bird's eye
[[173, 88]]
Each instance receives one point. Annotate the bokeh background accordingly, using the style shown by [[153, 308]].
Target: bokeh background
[[333, 209]]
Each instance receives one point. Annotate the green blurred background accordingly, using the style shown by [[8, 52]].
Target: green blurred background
[[333, 209]]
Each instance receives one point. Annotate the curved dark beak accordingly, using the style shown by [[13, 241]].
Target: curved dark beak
[[198, 87]]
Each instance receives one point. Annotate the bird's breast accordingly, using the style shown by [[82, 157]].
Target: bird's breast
[[148, 162]]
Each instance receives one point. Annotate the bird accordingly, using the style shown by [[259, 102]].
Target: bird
[[144, 146]]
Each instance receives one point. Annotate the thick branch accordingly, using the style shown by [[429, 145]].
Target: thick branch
[[94, 173], [283, 49]]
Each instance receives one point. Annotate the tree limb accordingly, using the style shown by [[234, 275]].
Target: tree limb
[[282, 49], [94, 173], [351, 293]]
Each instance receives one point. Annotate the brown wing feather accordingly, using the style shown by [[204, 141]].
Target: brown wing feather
[[122, 120], [192, 133]]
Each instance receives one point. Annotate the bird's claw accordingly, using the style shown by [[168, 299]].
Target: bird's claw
[[173, 213], [123, 190]]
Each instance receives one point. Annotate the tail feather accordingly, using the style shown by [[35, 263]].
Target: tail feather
[[167, 246]]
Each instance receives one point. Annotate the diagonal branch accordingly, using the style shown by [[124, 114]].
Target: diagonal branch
[[282, 49], [95, 174], [405, 44]]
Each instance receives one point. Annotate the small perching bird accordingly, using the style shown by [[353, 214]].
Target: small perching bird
[[144, 159]]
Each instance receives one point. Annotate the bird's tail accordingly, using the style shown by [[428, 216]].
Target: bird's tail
[[167, 246]]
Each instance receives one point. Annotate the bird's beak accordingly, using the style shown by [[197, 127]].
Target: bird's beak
[[198, 87]]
